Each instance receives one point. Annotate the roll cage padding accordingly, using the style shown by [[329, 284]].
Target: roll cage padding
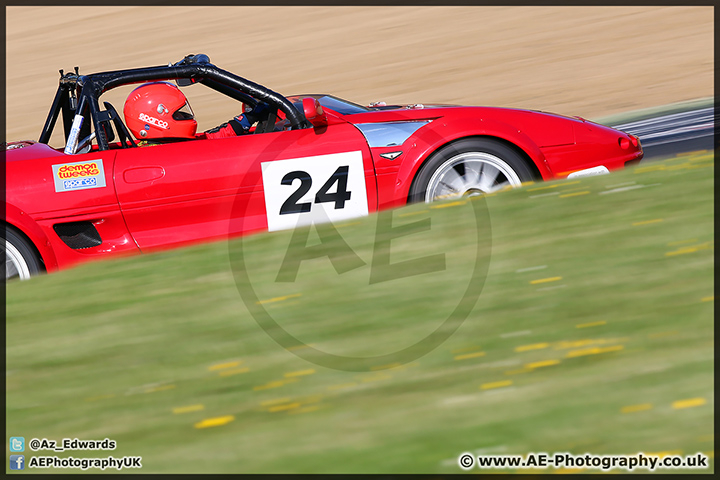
[[208, 74]]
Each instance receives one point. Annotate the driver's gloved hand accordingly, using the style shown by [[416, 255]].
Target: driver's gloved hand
[[242, 123], [258, 112]]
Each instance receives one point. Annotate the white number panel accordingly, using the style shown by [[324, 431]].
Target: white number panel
[[322, 188]]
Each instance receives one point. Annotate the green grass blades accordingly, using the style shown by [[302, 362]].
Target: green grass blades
[[593, 334]]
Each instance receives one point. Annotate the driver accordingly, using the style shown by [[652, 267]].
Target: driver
[[160, 112]]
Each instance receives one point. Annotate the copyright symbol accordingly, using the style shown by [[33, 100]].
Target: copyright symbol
[[466, 461], [34, 444]]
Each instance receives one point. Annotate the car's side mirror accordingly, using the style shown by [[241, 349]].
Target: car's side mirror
[[314, 112]]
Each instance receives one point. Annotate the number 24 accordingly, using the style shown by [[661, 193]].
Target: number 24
[[341, 196]]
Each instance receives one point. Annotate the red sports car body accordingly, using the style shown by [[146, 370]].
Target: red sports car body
[[313, 158]]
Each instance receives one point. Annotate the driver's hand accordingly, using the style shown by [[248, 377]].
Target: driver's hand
[[244, 123], [258, 112]]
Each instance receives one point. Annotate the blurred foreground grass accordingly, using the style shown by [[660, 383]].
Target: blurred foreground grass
[[593, 334]]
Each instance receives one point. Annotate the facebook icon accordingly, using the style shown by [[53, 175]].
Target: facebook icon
[[17, 462]]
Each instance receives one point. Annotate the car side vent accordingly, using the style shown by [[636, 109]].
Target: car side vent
[[78, 235]]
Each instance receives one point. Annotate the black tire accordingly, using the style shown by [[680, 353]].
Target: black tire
[[471, 153], [21, 261]]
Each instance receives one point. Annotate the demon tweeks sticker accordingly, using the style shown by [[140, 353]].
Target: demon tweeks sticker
[[78, 176], [317, 189]]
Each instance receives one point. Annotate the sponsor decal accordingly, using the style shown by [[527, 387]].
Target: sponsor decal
[[80, 183], [78, 175], [153, 121], [78, 170]]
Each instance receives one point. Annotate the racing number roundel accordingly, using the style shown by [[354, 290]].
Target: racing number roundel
[[322, 188]]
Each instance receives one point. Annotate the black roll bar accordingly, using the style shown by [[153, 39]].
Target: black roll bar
[[194, 68], [61, 97]]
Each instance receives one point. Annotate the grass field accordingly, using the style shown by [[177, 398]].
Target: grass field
[[593, 334]]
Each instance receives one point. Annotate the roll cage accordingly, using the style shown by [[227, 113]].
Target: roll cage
[[78, 95]]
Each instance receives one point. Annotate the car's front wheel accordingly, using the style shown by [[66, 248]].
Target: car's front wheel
[[20, 258], [469, 167]]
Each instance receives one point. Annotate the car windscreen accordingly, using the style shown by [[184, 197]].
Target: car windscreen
[[343, 107]]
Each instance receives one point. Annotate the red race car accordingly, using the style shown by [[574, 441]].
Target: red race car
[[309, 158]]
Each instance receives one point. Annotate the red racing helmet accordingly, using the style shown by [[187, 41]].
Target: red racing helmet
[[159, 110]]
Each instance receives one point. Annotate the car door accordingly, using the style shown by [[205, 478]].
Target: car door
[[196, 190]]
